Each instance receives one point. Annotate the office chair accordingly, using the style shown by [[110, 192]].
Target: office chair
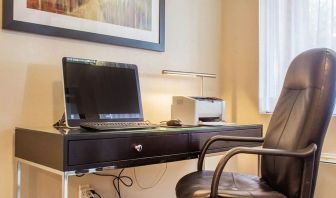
[[292, 146]]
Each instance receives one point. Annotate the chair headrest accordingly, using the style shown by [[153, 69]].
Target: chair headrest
[[310, 69]]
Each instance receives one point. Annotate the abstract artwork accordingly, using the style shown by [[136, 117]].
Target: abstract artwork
[[130, 13], [133, 23]]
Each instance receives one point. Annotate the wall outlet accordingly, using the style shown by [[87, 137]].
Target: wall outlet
[[84, 191]]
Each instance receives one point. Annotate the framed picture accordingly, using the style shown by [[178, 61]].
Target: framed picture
[[131, 23]]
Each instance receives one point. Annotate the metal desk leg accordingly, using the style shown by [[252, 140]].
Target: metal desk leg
[[259, 167], [18, 187], [65, 182]]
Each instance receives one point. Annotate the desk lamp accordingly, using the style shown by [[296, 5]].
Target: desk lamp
[[190, 74], [193, 111]]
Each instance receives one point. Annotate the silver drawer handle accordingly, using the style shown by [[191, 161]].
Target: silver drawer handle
[[138, 147]]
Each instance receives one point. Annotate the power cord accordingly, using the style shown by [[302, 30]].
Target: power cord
[[117, 179], [94, 193], [60, 123], [154, 184]]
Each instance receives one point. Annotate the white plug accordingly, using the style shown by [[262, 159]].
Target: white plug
[[85, 191]]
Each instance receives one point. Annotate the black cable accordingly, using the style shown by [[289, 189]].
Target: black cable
[[117, 179], [95, 193], [80, 174], [60, 123]]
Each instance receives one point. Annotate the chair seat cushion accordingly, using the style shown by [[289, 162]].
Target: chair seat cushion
[[198, 184]]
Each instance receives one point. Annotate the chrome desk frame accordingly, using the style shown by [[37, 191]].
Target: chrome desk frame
[[29, 145], [65, 175]]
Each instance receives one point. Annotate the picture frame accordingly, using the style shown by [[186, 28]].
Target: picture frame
[[16, 17]]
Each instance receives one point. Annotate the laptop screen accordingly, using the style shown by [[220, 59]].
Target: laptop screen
[[100, 91]]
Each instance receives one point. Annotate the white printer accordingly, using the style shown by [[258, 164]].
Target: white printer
[[197, 110]]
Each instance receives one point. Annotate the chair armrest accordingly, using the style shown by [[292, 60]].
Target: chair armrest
[[308, 152], [223, 138]]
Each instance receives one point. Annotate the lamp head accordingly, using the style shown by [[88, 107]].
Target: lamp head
[[188, 74]]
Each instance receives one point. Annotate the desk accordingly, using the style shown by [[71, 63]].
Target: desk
[[73, 151]]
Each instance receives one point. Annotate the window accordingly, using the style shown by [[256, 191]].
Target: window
[[287, 28]]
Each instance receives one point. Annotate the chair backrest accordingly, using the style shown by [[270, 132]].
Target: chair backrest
[[300, 118]]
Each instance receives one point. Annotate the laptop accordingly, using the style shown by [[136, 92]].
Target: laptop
[[102, 95]]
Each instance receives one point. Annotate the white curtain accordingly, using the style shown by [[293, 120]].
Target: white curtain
[[287, 28]]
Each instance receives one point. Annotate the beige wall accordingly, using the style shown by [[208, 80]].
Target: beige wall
[[240, 79], [240, 61], [31, 92]]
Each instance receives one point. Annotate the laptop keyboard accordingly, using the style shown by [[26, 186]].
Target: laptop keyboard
[[103, 126]]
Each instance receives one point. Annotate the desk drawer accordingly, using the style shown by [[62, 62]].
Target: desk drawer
[[83, 152], [198, 139]]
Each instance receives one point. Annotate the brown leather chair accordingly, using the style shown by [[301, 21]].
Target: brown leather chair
[[292, 146]]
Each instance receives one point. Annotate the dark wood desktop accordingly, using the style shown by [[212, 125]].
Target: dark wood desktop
[[78, 149], [72, 151]]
